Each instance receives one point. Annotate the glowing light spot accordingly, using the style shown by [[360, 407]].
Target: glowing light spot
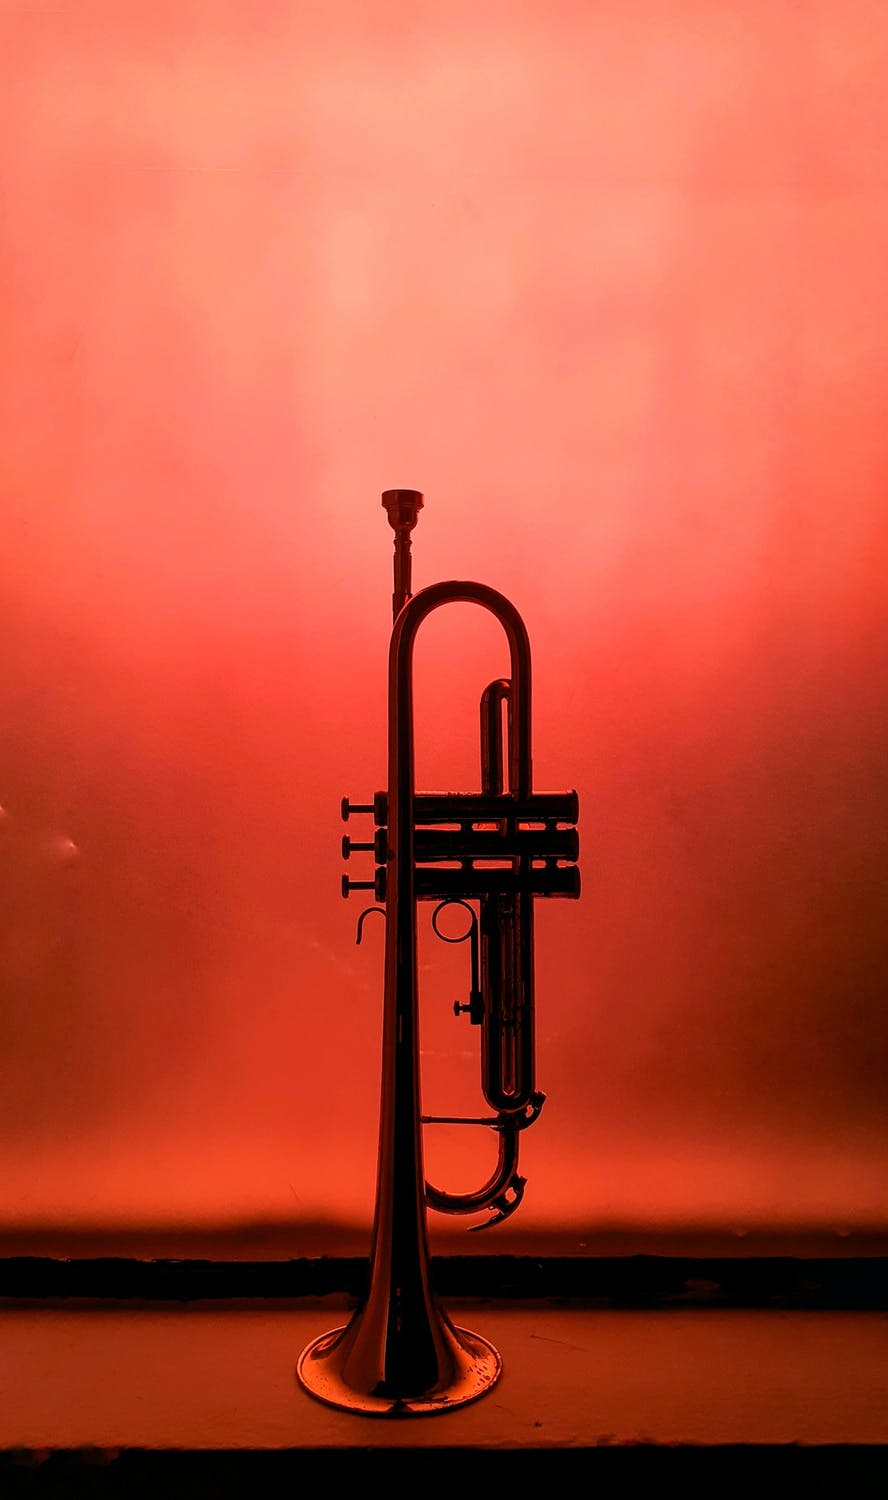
[[65, 850]]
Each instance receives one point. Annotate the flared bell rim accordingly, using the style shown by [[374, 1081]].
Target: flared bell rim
[[477, 1367]]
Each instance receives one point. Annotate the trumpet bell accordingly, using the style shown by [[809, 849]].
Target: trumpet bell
[[461, 1367]]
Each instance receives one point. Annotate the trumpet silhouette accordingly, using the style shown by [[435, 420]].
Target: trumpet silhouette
[[490, 854]]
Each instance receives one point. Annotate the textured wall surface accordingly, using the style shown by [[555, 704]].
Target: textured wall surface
[[607, 284]]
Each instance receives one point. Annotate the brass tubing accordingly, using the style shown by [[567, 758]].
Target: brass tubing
[[432, 846], [400, 1354]]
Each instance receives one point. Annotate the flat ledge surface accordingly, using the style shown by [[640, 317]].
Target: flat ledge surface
[[105, 1380]]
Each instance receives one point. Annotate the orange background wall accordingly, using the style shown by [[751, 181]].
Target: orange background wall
[[607, 283]]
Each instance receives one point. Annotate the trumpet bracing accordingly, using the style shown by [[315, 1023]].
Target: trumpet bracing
[[490, 854]]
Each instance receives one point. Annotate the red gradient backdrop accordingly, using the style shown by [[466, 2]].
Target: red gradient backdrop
[[608, 284]]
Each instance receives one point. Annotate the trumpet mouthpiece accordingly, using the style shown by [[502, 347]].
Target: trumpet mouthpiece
[[403, 507]]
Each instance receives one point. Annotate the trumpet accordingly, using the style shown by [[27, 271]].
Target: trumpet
[[491, 854]]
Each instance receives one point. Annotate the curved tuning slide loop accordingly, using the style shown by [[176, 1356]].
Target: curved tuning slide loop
[[504, 1205], [503, 1190]]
